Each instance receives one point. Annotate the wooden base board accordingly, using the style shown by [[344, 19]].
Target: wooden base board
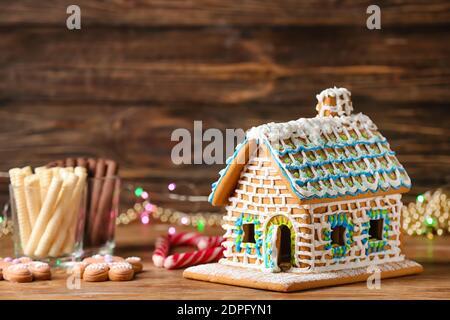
[[290, 281]]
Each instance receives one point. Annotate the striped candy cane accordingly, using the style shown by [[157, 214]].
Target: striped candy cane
[[209, 242], [162, 246], [209, 250], [187, 259]]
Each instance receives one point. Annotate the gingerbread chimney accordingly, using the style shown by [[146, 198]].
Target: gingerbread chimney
[[334, 102]]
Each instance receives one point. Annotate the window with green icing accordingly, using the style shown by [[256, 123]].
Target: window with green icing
[[249, 233]]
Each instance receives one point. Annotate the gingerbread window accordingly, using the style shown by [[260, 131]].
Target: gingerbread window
[[376, 229], [338, 236], [249, 233]]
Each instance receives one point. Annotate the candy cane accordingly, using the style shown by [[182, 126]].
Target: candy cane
[[187, 259], [185, 239], [203, 243], [209, 242], [162, 247]]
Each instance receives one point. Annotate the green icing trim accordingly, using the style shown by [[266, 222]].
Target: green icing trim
[[375, 245], [339, 220], [268, 249], [246, 218]]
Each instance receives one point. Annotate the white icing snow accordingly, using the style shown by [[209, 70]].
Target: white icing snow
[[288, 278], [311, 128]]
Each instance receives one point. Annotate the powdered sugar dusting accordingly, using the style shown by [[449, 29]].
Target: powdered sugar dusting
[[289, 278]]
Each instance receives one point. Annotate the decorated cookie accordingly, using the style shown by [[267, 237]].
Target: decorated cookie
[[40, 270], [23, 269], [106, 267], [136, 263], [98, 258], [121, 271], [18, 273], [96, 272]]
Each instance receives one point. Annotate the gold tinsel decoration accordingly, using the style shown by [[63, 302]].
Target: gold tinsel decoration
[[428, 216]]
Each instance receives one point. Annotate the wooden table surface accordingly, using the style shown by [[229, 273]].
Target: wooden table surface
[[153, 283]]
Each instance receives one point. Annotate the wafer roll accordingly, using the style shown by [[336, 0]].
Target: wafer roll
[[70, 162], [45, 178], [105, 201], [27, 171], [69, 220], [44, 215], [55, 221], [100, 170], [33, 197], [81, 162], [92, 164], [17, 181], [52, 164], [56, 171]]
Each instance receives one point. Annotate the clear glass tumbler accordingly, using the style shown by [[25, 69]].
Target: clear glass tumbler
[[48, 228], [103, 197]]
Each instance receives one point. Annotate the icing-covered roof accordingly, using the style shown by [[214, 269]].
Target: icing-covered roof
[[330, 157]]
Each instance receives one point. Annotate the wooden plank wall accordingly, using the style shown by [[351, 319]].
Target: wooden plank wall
[[139, 69]]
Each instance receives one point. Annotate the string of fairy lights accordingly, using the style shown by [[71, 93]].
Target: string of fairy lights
[[428, 216], [147, 211]]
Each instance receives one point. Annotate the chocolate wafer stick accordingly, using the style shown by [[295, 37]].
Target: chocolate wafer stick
[[81, 162], [105, 201], [70, 162], [60, 163], [100, 170], [92, 164], [52, 164]]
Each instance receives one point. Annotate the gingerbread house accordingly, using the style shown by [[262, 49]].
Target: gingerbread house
[[313, 195], [311, 203]]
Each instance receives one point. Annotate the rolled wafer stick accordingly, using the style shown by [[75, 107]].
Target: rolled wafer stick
[[59, 163], [69, 220], [52, 164], [27, 171], [45, 178], [95, 197], [70, 162], [56, 171], [105, 202], [17, 182], [44, 215], [81, 162], [69, 240], [33, 197], [92, 165], [55, 221]]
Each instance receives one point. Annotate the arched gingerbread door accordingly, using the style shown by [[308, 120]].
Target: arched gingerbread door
[[279, 244]]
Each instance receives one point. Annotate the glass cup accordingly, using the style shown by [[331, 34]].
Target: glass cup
[[102, 206], [52, 232]]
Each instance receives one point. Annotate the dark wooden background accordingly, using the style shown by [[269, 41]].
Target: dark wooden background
[[138, 69]]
